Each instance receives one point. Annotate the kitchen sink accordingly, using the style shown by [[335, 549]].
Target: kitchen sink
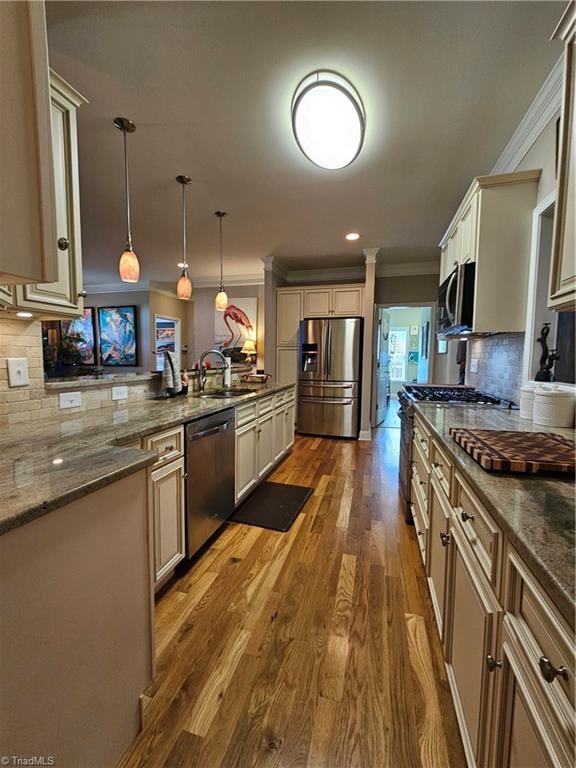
[[224, 393]]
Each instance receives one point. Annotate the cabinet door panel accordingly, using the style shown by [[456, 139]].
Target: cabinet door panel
[[279, 433], [317, 303], [168, 516], [246, 474], [289, 418], [467, 229], [347, 302], [286, 366], [437, 553], [288, 316], [265, 444]]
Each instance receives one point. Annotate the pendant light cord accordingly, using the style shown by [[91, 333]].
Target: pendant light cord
[[185, 268], [221, 266], [128, 220]]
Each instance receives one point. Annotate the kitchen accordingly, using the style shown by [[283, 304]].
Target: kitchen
[[416, 606]]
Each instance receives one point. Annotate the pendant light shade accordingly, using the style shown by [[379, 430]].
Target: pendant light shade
[[184, 285], [221, 301], [128, 265]]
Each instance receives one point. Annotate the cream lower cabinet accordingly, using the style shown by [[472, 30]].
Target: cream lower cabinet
[[246, 451], [289, 418], [472, 616], [438, 540], [265, 444], [167, 514]]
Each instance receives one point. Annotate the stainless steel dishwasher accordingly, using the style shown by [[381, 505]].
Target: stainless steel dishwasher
[[210, 476]]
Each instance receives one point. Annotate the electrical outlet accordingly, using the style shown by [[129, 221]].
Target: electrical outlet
[[69, 400], [474, 365], [17, 371], [119, 393]]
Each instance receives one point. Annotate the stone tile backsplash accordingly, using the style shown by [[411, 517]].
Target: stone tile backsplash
[[499, 364]]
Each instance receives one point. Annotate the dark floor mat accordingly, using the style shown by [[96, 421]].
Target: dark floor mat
[[272, 505]]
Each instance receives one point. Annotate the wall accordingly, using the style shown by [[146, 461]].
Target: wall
[[404, 290], [21, 338], [499, 364], [204, 317]]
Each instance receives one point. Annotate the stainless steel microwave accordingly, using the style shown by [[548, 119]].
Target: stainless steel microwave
[[455, 313]]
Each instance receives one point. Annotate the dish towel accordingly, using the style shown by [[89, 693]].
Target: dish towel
[[170, 375]]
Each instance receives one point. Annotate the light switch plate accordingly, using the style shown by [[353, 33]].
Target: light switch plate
[[120, 393], [17, 371], [474, 365], [69, 400]]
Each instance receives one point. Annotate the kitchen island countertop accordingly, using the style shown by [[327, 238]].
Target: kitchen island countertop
[[536, 512], [50, 463]]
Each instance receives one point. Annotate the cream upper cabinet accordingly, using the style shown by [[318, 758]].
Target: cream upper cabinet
[[333, 301], [492, 228], [347, 302], [27, 210], [288, 315], [6, 295], [562, 294], [62, 297], [318, 302]]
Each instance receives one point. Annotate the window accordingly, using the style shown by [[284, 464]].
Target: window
[[398, 344]]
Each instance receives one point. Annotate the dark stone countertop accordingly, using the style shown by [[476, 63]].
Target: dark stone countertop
[[536, 512], [46, 465]]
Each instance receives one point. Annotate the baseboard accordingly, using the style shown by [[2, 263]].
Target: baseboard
[[365, 434]]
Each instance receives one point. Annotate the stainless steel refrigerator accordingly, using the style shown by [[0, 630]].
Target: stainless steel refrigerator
[[329, 376]]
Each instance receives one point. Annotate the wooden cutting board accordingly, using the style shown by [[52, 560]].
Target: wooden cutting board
[[527, 452]]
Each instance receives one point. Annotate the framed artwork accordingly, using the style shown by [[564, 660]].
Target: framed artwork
[[166, 338], [424, 339], [413, 330], [117, 336], [77, 335], [441, 346], [238, 322], [413, 357]]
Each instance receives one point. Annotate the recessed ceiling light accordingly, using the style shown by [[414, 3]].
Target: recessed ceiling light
[[328, 120], [352, 236], [23, 314]]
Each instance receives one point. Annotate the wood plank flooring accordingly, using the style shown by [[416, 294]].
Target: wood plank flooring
[[314, 648]]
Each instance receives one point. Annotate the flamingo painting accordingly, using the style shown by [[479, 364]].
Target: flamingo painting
[[239, 326]]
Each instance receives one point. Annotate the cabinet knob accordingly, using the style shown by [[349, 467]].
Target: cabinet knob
[[437, 464], [465, 516], [82, 294], [63, 243], [492, 663], [445, 538], [550, 672], [419, 533]]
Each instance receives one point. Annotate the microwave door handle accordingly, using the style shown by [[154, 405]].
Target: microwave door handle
[[447, 299]]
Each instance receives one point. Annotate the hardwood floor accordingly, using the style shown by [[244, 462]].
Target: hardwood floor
[[313, 648]]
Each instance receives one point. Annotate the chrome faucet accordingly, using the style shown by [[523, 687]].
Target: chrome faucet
[[202, 377]]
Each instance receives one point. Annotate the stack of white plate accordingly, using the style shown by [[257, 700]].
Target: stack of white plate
[[527, 401], [553, 407]]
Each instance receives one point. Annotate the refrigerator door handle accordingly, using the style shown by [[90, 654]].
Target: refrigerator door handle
[[322, 400], [328, 349]]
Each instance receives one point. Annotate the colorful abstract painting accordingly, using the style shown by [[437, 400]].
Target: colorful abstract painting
[[237, 323], [77, 340], [117, 333]]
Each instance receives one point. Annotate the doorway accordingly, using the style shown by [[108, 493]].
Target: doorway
[[403, 355]]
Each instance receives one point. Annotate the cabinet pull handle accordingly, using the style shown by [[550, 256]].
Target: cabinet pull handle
[[445, 538], [550, 672], [63, 243], [465, 516], [492, 663], [419, 533], [437, 464], [422, 482], [168, 449]]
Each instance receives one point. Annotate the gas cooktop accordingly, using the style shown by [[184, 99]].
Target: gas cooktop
[[449, 395]]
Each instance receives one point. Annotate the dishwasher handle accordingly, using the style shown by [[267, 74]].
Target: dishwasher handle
[[205, 433]]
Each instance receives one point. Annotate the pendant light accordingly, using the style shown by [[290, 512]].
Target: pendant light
[[184, 286], [221, 301], [128, 266]]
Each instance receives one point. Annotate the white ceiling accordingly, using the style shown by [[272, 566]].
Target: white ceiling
[[209, 86]]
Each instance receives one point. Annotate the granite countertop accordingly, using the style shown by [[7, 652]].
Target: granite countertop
[[536, 512], [46, 465]]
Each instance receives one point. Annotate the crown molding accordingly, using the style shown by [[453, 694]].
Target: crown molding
[[326, 275], [143, 285], [545, 107], [408, 269], [271, 265], [229, 281]]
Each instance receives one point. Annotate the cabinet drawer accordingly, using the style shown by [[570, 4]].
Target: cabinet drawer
[[543, 633], [420, 515], [279, 399], [245, 413], [441, 467], [290, 395], [265, 405], [168, 445], [422, 466], [482, 533], [422, 436]]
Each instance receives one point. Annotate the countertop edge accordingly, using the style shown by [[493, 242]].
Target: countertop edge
[[557, 592]]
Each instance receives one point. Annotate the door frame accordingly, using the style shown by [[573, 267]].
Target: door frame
[[431, 345]]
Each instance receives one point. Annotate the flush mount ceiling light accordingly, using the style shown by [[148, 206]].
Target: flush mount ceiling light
[[184, 286], [128, 265], [221, 300], [328, 119], [352, 236]]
